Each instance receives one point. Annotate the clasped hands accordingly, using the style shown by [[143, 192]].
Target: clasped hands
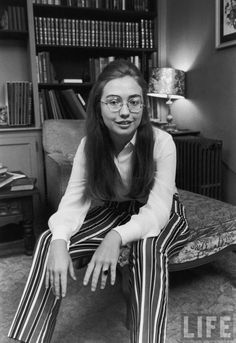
[[104, 260]]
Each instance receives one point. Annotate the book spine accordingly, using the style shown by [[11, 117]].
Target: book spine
[[137, 40], [85, 30], [36, 25], [41, 33], [142, 33], [81, 32], [15, 23], [151, 33], [61, 31], [69, 31], [48, 30], [77, 34], [45, 31], [23, 19], [8, 100], [40, 67], [96, 33], [44, 67], [104, 29], [20, 104], [29, 104], [100, 30], [18, 18], [10, 17], [25, 105], [53, 105], [41, 107], [73, 32], [16, 104]]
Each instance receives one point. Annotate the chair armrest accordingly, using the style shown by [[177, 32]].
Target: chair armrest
[[58, 169]]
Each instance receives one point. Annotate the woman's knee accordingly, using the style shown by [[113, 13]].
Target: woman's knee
[[43, 240], [147, 249]]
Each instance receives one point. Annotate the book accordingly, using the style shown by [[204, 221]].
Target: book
[[3, 116], [73, 103], [71, 81], [3, 19], [18, 99], [81, 99], [26, 183], [5, 179], [17, 174], [3, 169]]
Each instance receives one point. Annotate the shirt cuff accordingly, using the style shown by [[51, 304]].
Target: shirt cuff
[[129, 232], [59, 234]]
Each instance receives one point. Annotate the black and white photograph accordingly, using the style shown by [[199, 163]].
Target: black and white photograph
[[117, 171]]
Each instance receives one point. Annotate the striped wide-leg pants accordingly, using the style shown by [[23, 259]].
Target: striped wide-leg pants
[[36, 315]]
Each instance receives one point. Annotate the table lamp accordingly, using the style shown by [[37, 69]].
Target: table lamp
[[167, 83]]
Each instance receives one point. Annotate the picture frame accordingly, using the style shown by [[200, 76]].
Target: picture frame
[[225, 23]]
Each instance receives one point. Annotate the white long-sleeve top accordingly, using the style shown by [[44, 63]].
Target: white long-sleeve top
[[152, 216]]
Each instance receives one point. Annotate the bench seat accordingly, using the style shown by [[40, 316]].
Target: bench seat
[[212, 226]]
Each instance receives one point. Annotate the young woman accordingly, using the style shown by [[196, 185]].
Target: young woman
[[129, 167]]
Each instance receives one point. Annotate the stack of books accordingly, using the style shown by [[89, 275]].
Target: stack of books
[[12, 18], [61, 104], [15, 181], [18, 99]]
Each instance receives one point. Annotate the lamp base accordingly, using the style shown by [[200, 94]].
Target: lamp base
[[171, 127]]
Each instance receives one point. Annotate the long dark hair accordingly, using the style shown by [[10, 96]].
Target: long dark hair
[[102, 174]]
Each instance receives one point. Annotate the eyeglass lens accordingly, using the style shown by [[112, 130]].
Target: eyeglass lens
[[115, 104]]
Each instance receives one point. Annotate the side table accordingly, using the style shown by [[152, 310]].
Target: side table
[[18, 208], [181, 133]]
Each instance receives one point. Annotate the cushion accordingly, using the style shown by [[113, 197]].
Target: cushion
[[62, 136], [212, 226]]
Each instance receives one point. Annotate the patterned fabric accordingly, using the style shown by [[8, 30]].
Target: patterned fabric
[[212, 226]]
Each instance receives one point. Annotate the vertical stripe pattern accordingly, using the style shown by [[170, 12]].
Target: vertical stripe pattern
[[149, 277], [36, 315]]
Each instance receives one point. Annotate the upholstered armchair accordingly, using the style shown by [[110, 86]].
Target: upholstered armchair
[[212, 222]]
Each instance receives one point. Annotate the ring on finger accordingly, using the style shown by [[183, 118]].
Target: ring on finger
[[105, 272]]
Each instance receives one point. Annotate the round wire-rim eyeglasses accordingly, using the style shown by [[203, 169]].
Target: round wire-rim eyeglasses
[[116, 107]]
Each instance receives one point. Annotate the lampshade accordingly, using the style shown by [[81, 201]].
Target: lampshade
[[167, 83]]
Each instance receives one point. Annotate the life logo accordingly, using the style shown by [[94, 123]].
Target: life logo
[[207, 327]]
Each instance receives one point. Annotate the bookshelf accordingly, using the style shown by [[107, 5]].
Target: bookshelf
[[20, 141], [17, 92], [13, 17], [76, 39], [16, 35], [88, 34]]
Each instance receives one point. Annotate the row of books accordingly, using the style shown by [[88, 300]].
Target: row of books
[[61, 104], [97, 64], [46, 72], [94, 33], [13, 18], [15, 181], [130, 5], [18, 98], [45, 69]]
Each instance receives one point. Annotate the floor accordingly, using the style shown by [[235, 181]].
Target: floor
[[200, 300]]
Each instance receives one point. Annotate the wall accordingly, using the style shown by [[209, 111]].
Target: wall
[[13, 64], [210, 105]]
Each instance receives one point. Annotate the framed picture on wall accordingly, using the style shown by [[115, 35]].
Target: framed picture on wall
[[225, 23]]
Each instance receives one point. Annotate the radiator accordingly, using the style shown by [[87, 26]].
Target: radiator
[[199, 165]]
